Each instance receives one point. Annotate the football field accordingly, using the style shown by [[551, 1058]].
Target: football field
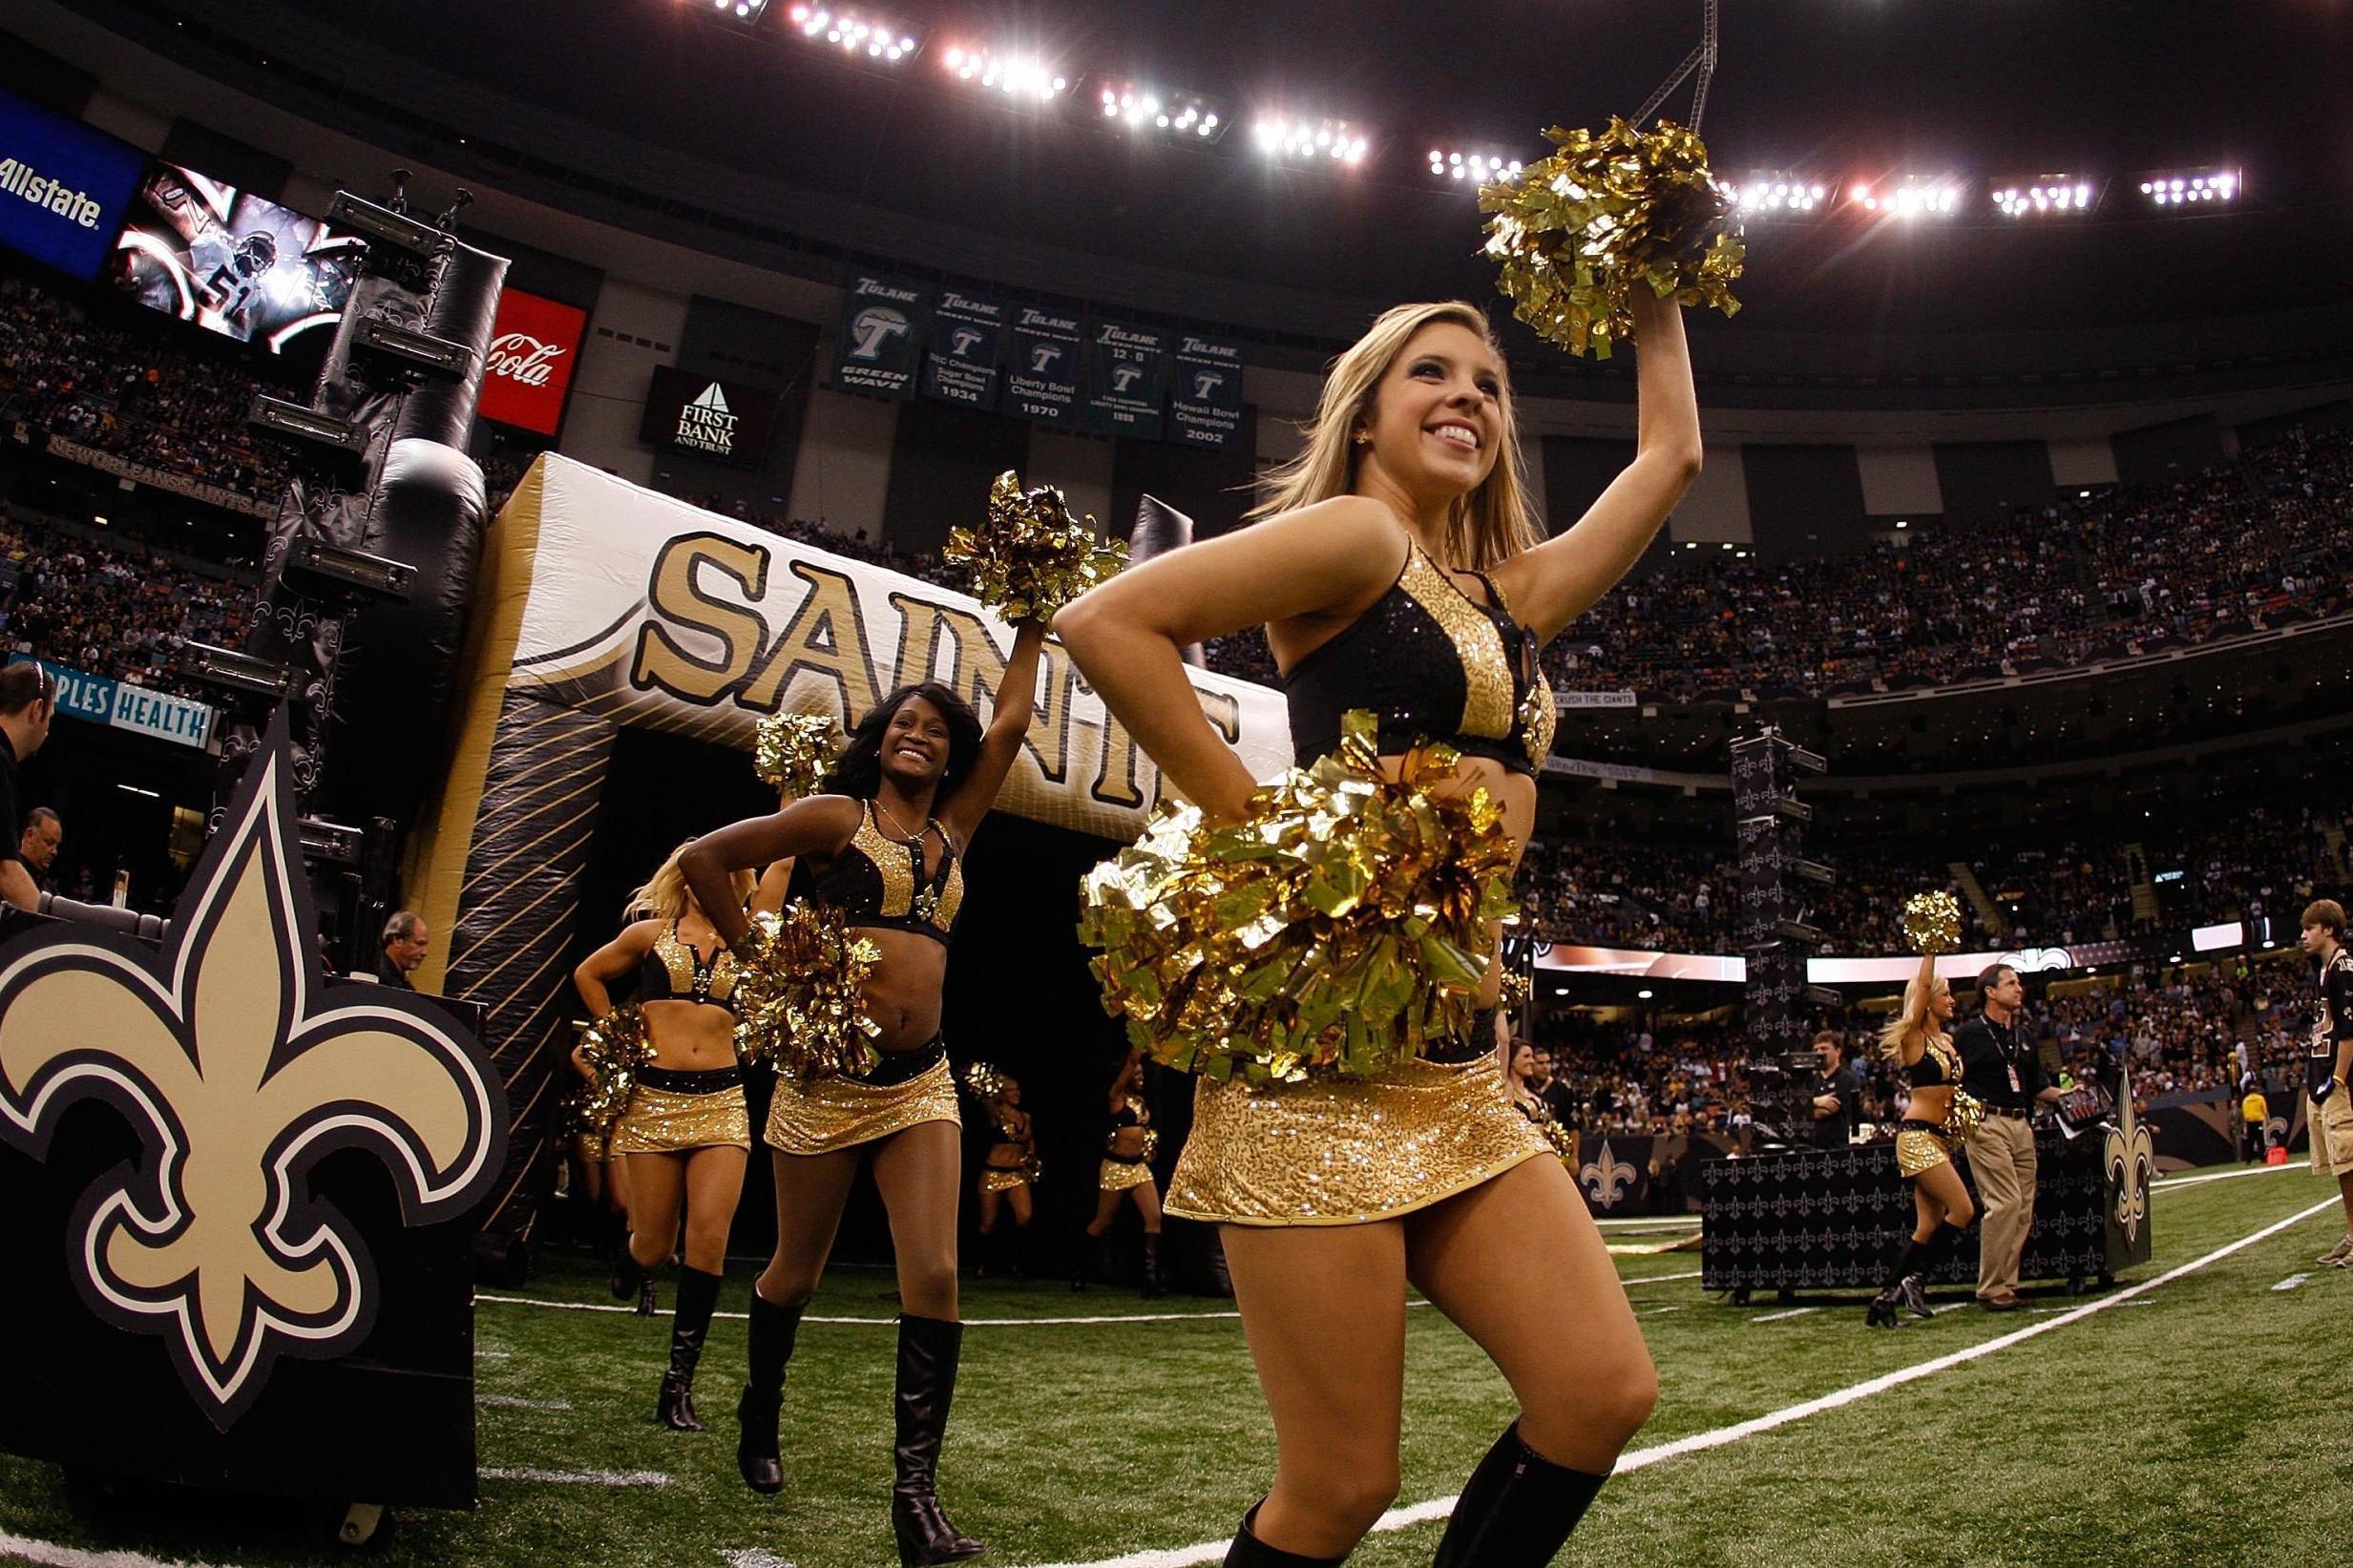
[[2197, 1414]]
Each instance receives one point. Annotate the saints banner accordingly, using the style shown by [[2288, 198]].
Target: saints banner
[[1206, 402], [1127, 379], [1043, 382], [881, 337], [967, 332]]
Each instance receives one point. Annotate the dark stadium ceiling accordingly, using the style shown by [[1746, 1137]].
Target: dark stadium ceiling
[[1849, 89]]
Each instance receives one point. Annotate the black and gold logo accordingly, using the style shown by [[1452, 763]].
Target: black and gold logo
[[241, 1069]]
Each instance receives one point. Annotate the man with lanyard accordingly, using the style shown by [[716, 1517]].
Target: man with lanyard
[[1838, 1095], [2006, 1073], [2328, 1061]]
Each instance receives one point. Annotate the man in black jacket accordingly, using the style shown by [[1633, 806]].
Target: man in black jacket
[[2006, 1073]]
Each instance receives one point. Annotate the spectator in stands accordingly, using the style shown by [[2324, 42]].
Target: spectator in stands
[[37, 845], [27, 703], [404, 945]]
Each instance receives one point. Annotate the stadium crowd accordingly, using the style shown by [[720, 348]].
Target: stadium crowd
[[119, 611]]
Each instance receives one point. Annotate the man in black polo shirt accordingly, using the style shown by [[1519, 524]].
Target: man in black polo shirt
[[28, 701], [2006, 1073], [1838, 1095]]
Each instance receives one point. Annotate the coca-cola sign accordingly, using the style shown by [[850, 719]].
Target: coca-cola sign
[[528, 366]]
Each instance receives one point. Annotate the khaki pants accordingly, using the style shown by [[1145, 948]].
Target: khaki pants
[[2002, 1158]]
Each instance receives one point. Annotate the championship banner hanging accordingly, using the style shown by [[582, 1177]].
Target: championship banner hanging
[[237, 1235], [1043, 384], [1127, 379], [881, 337], [968, 331], [534, 345], [1205, 407]]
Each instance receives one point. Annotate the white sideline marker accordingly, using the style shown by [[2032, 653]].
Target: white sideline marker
[[54, 1556], [517, 1402], [579, 1477], [1793, 1313], [2291, 1282], [1437, 1508]]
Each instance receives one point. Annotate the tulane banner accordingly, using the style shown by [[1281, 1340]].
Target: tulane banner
[[967, 332], [881, 338], [1045, 380], [1205, 407], [1127, 379]]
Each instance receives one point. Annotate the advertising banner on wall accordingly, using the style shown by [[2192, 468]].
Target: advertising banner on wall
[[119, 705], [534, 345], [231, 261], [1043, 382], [63, 186], [881, 339], [968, 332], [702, 416], [1127, 379], [1205, 406]]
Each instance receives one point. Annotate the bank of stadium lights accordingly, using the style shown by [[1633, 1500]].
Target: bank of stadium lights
[[1471, 170], [859, 33], [2190, 189], [1016, 76], [742, 10], [1772, 193], [1142, 108], [1909, 197], [2044, 196], [1279, 136]]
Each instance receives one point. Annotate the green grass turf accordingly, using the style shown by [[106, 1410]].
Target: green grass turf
[[2209, 1426]]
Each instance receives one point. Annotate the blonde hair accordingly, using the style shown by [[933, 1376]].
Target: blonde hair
[[665, 895], [1914, 1014], [1488, 526]]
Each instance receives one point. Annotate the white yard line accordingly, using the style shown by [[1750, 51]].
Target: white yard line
[[2291, 1282], [579, 1477], [2171, 1182], [517, 1402], [1437, 1508], [17, 1547], [1793, 1313]]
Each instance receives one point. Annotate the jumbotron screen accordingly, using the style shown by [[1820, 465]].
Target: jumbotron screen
[[231, 261]]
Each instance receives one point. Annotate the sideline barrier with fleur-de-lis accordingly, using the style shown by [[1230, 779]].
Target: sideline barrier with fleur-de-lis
[[242, 1195]]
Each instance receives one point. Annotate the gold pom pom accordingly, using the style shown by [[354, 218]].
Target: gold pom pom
[[1577, 230], [613, 1050], [800, 999], [1932, 923], [1333, 929], [795, 751], [1518, 986], [983, 1082], [1963, 1115], [1032, 558]]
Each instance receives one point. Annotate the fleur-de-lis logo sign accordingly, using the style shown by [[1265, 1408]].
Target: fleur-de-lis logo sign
[[239, 1069], [2131, 1161], [1605, 1178]]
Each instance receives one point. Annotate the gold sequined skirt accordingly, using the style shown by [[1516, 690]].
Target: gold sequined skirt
[[1118, 1176], [663, 1121], [820, 1115], [1003, 1178], [1921, 1149], [1346, 1151]]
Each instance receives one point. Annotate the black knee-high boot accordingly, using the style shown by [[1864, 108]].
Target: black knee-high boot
[[928, 1349], [1247, 1551], [1914, 1288], [1151, 1264], [1515, 1510], [632, 1278], [773, 1328], [697, 1293], [1906, 1263]]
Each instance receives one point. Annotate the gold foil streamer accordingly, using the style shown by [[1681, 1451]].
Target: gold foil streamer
[[611, 1050], [1963, 1115], [1032, 558], [1932, 923], [795, 751], [1579, 230], [800, 997], [983, 1082], [1334, 930], [1518, 986]]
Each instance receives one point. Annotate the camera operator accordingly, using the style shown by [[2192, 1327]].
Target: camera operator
[[1838, 1094]]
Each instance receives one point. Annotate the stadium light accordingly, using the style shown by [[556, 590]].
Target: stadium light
[[1016, 76], [1142, 109], [1471, 170], [1909, 197], [1776, 193], [1304, 137], [746, 11], [861, 34], [2190, 190], [2045, 195]]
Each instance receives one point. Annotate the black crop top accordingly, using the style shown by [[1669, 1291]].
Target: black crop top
[[882, 881], [674, 972], [1938, 1063], [1430, 664]]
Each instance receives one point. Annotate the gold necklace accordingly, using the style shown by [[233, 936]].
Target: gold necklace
[[900, 828]]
